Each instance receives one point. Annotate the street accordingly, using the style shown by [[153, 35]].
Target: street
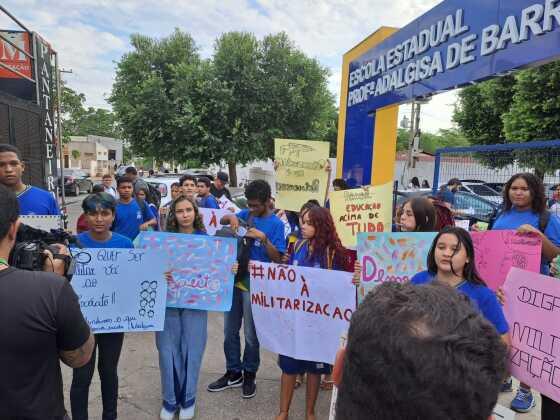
[[139, 387]]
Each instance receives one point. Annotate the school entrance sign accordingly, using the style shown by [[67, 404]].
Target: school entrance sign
[[454, 44]]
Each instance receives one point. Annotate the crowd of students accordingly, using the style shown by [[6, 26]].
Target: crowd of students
[[113, 218]]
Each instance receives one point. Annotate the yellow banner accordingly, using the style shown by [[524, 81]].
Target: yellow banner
[[367, 209], [300, 173]]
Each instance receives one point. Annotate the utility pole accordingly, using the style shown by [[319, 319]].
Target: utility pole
[[414, 139], [59, 71]]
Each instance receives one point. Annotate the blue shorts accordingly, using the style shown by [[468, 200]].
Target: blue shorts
[[292, 366]]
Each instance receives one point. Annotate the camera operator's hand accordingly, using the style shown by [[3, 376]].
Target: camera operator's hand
[[55, 265]]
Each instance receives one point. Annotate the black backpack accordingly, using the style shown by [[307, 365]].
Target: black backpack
[[243, 249]]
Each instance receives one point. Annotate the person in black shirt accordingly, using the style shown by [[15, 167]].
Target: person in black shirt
[[42, 324], [218, 188]]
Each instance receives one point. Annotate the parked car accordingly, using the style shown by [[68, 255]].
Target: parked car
[[496, 186], [481, 189], [468, 206], [163, 184], [76, 181]]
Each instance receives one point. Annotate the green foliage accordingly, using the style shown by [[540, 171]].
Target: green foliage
[[430, 142], [513, 109], [78, 121], [173, 105]]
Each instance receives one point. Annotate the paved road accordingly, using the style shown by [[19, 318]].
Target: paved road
[[139, 388]]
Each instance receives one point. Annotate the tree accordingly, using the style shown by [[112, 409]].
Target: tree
[[145, 97], [172, 104], [535, 115], [75, 154], [76, 120], [514, 109]]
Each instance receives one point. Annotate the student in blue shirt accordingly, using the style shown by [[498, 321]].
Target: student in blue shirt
[[524, 210], [320, 247], [99, 209], [267, 233], [32, 200], [144, 199], [205, 199], [130, 217], [451, 261]]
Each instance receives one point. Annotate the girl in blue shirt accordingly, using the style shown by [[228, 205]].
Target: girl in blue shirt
[[524, 210], [319, 247], [182, 342], [451, 261]]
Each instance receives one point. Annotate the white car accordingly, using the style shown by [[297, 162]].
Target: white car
[[484, 191]]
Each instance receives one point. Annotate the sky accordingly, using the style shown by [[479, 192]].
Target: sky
[[90, 36]]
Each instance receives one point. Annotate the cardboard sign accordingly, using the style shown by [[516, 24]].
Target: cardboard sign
[[200, 267], [121, 290], [43, 222], [226, 204], [532, 309], [301, 174], [301, 312], [496, 251], [211, 219], [391, 257], [463, 224], [360, 210]]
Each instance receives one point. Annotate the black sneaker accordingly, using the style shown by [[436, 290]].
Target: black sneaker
[[229, 380], [249, 385]]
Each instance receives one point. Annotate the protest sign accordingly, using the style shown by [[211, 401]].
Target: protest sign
[[120, 289], [391, 257], [360, 210], [502, 413], [532, 309], [463, 224], [226, 204], [301, 312], [496, 251], [301, 174], [200, 267], [43, 222], [211, 219]]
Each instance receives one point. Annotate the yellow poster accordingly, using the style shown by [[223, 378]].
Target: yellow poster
[[367, 209], [300, 173]]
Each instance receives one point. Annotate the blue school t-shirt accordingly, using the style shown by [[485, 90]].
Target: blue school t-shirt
[[301, 257], [116, 241], [513, 218], [36, 201], [484, 298], [208, 202], [272, 227], [129, 217]]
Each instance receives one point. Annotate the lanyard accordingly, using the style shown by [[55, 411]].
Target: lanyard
[[4, 262]]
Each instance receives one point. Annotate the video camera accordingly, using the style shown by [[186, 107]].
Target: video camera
[[31, 243]]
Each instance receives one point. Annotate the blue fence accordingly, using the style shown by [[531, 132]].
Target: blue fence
[[493, 165]]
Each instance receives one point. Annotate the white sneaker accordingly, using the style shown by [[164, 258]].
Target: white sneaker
[[186, 413], [166, 415]]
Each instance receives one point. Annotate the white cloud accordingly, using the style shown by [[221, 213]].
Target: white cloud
[[90, 34]]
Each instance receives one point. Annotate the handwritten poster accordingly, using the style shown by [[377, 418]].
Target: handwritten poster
[[391, 257], [301, 174], [301, 312], [532, 309], [226, 204], [42, 222], [211, 219], [121, 290], [200, 267], [496, 251], [360, 210]]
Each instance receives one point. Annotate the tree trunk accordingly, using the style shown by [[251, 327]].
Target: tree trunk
[[232, 174]]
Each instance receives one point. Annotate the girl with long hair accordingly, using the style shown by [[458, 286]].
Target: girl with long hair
[[417, 215], [182, 342], [451, 260], [524, 210], [319, 247]]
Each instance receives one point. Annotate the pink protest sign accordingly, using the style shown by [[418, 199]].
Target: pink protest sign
[[496, 251], [532, 309]]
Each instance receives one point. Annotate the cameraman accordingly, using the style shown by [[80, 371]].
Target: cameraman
[[42, 323], [32, 200]]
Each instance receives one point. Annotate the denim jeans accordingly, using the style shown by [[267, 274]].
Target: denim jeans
[[109, 348], [181, 347], [241, 311]]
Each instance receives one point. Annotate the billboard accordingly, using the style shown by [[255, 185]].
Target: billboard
[[11, 82]]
